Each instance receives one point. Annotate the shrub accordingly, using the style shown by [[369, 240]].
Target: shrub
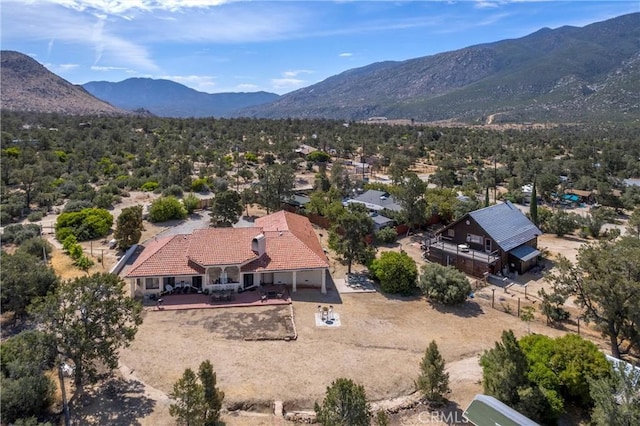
[[444, 284], [385, 235], [149, 186], [18, 233], [166, 208], [190, 203], [397, 272], [85, 224], [36, 246], [77, 205], [173, 190], [35, 216], [200, 185]]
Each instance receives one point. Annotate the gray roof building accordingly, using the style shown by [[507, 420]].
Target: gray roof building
[[506, 225], [376, 200]]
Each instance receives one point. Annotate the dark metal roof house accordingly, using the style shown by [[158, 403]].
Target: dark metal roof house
[[492, 239]]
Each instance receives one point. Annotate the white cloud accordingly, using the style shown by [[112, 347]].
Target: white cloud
[[295, 73], [247, 87], [287, 83], [485, 4], [202, 83], [67, 67], [101, 68], [36, 21], [117, 7], [345, 55]]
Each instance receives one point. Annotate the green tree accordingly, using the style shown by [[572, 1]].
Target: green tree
[[190, 407], [213, 397], [633, 224], [533, 207], [444, 284], [37, 247], [166, 208], [617, 397], [433, 381], [90, 318], [128, 227], [344, 404], [86, 224], [347, 236], [26, 389], [190, 202], [411, 197], [551, 306], [562, 223], [527, 315], [397, 272], [504, 369], [24, 278], [605, 283], [276, 183], [226, 209], [564, 365]]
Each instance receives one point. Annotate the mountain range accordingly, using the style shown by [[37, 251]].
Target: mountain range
[[166, 98], [569, 74], [29, 86]]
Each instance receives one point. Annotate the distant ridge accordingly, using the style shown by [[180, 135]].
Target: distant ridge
[[26, 85], [567, 74], [167, 98]]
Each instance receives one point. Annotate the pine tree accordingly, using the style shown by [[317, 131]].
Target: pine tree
[[190, 406], [213, 397], [345, 404], [433, 381]]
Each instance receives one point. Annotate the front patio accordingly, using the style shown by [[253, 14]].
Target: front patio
[[172, 302]]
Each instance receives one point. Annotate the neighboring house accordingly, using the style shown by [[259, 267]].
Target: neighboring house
[[632, 182], [296, 202], [304, 150], [486, 410], [282, 248], [495, 239], [376, 201], [579, 196], [380, 222]]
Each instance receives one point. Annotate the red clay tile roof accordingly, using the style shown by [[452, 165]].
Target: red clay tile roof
[[222, 246], [291, 244], [165, 256]]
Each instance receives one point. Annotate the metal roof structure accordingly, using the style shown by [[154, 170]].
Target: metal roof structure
[[485, 410], [506, 225], [376, 200]]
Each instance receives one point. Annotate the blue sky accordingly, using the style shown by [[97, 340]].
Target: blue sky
[[278, 46]]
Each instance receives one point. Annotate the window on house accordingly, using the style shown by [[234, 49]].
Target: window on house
[[152, 283], [451, 232], [476, 239]]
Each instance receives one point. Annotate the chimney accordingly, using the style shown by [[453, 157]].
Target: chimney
[[259, 244]]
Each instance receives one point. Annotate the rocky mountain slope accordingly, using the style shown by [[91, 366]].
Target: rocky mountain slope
[[568, 74], [167, 98], [26, 85]]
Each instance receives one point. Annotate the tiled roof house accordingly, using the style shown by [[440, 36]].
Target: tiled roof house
[[282, 248]]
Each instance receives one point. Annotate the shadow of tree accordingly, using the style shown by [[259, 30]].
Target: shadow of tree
[[451, 414], [468, 309], [116, 402]]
